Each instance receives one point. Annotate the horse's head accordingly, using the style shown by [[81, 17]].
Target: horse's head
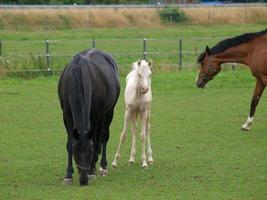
[[209, 68], [144, 75], [83, 151]]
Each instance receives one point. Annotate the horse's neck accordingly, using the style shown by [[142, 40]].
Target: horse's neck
[[238, 54]]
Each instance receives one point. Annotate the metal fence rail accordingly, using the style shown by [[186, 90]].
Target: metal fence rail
[[52, 55]]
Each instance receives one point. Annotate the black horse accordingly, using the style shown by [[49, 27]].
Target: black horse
[[88, 90]]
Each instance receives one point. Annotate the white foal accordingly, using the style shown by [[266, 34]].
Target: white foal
[[138, 98]]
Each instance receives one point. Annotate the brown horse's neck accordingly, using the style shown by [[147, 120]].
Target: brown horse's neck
[[238, 54]]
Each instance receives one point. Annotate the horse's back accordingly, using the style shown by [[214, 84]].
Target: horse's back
[[97, 72]]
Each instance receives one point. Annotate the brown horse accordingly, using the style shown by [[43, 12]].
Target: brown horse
[[249, 49]]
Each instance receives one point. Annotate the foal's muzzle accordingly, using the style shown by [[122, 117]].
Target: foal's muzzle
[[144, 90]]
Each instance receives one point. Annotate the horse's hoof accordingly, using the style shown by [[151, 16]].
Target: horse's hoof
[[67, 181], [91, 178], [103, 172], [144, 166], [114, 164], [150, 162], [131, 162], [245, 128]]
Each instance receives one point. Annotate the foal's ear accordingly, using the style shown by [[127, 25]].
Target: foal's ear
[[150, 64], [139, 62], [207, 50]]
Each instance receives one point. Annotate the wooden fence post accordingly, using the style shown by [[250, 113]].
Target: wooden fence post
[[144, 49], [47, 55], [93, 43], [180, 53], [0, 48]]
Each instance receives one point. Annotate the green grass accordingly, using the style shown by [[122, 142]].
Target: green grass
[[24, 50], [199, 150]]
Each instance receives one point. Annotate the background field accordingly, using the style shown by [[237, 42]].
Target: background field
[[199, 150], [125, 17], [25, 50]]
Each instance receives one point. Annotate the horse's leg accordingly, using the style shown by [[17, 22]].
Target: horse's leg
[[68, 125], [104, 140], [254, 102], [133, 150], [144, 116], [127, 117], [96, 142], [149, 149]]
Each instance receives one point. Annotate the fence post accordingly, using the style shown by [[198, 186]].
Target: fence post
[[0, 48], [233, 66], [180, 53], [47, 55], [93, 43], [170, 19], [144, 49], [46, 22]]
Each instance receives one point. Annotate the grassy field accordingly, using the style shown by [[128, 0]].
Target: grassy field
[[73, 17], [199, 150]]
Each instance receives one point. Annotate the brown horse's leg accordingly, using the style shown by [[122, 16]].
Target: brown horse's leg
[[254, 102]]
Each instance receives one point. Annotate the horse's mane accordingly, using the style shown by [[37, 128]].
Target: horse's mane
[[231, 42]]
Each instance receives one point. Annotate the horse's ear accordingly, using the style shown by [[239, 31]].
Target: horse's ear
[[150, 64], [207, 50], [139, 62], [75, 134]]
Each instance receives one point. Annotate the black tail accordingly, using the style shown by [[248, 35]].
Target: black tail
[[81, 115]]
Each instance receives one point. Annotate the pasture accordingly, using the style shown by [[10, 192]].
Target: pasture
[[198, 147], [25, 50]]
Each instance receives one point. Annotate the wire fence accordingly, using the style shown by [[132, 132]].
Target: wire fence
[[53, 55]]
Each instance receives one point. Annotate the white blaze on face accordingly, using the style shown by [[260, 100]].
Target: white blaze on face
[[144, 75]]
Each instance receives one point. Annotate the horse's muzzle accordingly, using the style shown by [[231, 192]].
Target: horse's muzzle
[[144, 90], [83, 180], [83, 176], [200, 84]]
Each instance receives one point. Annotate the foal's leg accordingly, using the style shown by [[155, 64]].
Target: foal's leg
[[254, 102], [149, 149], [127, 117], [144, 116], [133, 150]]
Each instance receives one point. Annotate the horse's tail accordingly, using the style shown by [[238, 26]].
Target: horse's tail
[[81, 102]]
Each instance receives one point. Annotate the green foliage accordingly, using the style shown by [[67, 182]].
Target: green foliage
[[199, 151], [172, 15]]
